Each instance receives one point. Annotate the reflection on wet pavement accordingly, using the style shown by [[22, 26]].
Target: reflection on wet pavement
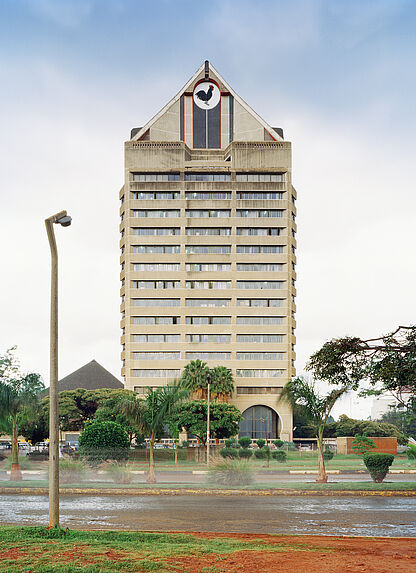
[[392, 516]]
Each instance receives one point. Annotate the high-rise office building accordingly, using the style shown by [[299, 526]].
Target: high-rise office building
[[208, 250]]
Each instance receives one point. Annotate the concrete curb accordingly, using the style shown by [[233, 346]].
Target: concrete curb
[[207, 492]]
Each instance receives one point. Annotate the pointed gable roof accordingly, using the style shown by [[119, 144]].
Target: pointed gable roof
[[92, 376], [224, 87]]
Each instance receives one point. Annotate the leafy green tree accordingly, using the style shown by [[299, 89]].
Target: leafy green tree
[[387, 362], [109, 409], [77, 407], [403, 418], [300, 391], [151, 413], [103, 440], [35, 428], [349, 427], [224, 419], [18, 397], [362, 444]]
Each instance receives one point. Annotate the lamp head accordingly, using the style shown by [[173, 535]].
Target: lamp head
[[64, 221]]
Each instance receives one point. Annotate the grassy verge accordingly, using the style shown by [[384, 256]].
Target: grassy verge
[[41, 550], [278, 485], [295, 461]]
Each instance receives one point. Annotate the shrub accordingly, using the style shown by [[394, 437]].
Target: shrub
[[362, 444], [378, 465], [229, 452], [279, 456], [245, 453], [278, 443], [411, 451], [291, 447], [328, 454], [231, 443], [103, 440], [71, 471], [230, 472], [185, 444], [260, 442], [261, 453], [244, 441], [117, 471]]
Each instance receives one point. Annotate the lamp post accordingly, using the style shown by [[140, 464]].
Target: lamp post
[[208, 413], [62, 219]]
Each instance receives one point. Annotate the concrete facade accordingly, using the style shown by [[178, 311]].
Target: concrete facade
[[208, 250]]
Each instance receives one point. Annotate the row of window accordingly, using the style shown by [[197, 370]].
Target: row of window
[[206, 249], [259, 389], [208, 231], [175, 373], [220, 285], [206, 213], [208, 195], [142, 390], [172, 355], [208, 302], [264, 320], [208, 338], [255, 177]]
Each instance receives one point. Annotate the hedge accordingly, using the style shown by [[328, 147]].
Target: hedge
[[229, 452], [279, 456]]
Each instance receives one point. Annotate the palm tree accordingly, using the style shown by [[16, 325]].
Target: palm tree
[[301, 392], [17, 397], [222, 383], [151, 414], [195, 376]]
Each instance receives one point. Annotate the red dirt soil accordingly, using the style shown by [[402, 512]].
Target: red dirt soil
[[321, 555], [11, 554]]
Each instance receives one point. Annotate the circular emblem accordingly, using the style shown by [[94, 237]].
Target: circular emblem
[[207, 95]]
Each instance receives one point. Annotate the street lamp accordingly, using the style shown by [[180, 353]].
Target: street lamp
[[208, 413], [63, 219]]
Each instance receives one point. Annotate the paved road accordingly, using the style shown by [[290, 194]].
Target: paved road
[[279, 515], [187, 477]]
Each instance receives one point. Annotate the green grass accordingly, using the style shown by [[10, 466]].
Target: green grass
[[296, 461], [340, 486], [333, 485], [40, 550]]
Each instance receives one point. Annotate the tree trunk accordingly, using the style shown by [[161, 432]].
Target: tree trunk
[[151, 478], [322, 477], [15, 472], [176, 453]]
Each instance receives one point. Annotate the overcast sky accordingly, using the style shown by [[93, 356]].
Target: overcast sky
[[76, 76]]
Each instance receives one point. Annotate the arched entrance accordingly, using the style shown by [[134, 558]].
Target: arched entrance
[[260, 422]]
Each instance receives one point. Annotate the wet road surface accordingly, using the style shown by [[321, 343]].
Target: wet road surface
[[378, 516]]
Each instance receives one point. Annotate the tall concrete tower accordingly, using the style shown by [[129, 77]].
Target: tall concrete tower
[[208, 250]]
